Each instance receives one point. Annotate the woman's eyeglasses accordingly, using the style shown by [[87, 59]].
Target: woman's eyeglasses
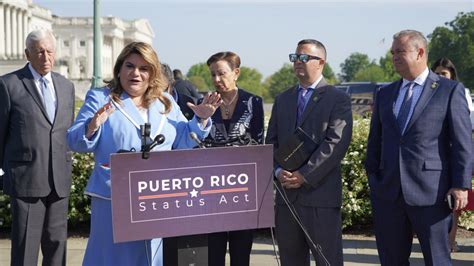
[[303, 57]]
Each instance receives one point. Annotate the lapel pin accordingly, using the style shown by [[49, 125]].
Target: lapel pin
[[434, 85]]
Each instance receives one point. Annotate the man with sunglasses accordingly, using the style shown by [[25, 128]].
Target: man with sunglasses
[[308, 209]]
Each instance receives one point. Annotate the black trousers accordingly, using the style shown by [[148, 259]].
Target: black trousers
[[39, 221], [240, 246]]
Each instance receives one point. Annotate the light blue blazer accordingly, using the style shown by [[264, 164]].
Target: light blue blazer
[[122, 131]]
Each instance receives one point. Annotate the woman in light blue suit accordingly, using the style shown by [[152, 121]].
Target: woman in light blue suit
[[110, 120]]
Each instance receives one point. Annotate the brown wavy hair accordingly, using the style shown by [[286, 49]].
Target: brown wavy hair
[[156, 85]]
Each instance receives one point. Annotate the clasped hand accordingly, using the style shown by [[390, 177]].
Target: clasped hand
[[290, 180]]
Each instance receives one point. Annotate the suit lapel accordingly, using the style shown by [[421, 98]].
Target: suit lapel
[[155, 113], [60, 96], [315, 98], [292, 106], [28, 81], [130, 110], [394, 91], [425, 97], [240, 108]]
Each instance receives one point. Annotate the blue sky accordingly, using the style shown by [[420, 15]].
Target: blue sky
[[264, 32]]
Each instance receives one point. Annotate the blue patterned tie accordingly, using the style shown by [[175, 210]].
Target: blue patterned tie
[[47, 98], [301, 105], [405, 108]]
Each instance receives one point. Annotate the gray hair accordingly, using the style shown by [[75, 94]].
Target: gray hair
[[39, 35], [416, 38]]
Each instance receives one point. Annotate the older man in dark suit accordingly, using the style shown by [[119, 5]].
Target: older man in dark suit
[[314, 191], [419, 152], [36, 109]]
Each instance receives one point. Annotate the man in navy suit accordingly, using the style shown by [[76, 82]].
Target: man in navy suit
[[419, 152]]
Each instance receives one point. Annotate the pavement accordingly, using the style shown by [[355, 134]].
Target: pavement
[[358, 250]]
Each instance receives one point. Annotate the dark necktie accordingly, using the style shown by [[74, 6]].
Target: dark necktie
[[301, 105], [47, 98], [405, 108]]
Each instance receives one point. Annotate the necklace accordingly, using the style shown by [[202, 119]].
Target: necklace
[[228, 105]]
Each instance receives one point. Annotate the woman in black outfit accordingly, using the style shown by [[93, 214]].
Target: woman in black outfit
[[240, 118]]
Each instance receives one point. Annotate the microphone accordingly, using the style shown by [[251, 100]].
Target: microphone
[[194, 137], [144, 134], [159, 139]]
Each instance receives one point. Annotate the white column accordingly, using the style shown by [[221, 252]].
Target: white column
[[14, 33], [117, 46], [74, 67], [25, 31], [90, 57], [59, 49], [2, 32], [8, 32], [19, 34]]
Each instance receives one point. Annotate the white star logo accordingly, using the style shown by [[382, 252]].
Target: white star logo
[[194, 193]]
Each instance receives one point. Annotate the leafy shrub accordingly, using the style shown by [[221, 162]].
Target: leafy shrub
[[356, 209], [79, 204]]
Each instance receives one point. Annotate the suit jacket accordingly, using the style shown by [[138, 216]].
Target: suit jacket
[[187, 88], [33, 151], [434, 153], [327, 118], [183, 101], [246, 119], [122, 131]]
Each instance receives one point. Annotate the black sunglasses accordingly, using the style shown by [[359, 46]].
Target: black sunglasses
[[303, 57]]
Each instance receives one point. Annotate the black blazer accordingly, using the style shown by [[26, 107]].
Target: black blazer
[[33, 151], [185, 87], [246, 119], [183, 99]]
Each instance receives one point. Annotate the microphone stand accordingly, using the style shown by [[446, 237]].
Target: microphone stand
[[145, 134]]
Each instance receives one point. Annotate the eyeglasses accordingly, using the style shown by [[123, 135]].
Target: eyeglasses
[[302, 57]]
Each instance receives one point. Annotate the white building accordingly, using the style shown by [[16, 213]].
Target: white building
[[17, 19], [74, 49]]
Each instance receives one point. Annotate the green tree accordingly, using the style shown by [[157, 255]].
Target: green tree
[[386, 64], [352, 64], [456, 41], [251, 80], [200, 70], [372, 73], [329, 75], [199, 82], [281, 80]]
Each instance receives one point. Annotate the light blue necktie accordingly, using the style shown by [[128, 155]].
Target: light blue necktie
[[402, 117], [47, 98]]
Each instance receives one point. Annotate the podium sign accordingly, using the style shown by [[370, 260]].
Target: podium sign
[[187, 192]]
